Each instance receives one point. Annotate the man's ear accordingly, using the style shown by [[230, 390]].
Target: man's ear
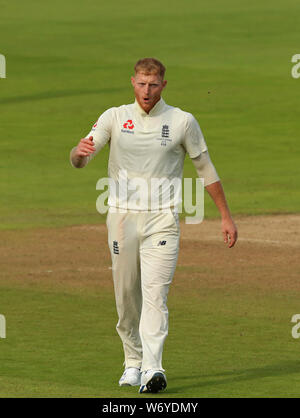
[[164, 83], [132, 81]]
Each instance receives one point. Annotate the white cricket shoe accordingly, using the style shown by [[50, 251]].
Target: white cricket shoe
[[153, 381], [130, 377]]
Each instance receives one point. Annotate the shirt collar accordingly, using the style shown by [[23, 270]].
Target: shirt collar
[[154, 111]]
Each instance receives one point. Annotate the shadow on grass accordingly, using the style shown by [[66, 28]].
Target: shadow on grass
[[225, 378]]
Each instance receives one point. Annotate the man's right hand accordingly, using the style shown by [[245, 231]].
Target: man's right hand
[[85, 147], [79, 154]]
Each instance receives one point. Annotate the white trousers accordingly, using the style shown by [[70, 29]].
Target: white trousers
[[144, 248]]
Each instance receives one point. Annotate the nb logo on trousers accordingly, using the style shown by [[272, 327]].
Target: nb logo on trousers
[[162, 243]]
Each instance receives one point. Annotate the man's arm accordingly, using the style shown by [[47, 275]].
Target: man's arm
[[212, 183], [229, 228], [89, 146], [79, 155]]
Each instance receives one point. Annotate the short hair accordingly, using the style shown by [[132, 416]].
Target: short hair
[[150, 66]]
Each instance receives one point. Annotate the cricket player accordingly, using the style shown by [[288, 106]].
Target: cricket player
[[148, 141]]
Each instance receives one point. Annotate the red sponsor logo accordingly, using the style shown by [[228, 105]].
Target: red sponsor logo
[[129, 124], [94, 126]]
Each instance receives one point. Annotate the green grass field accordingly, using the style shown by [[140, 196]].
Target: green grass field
[[65, 345], [228, 63], [67, 62]]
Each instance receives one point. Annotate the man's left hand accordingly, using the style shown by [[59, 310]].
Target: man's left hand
[[229, 231]]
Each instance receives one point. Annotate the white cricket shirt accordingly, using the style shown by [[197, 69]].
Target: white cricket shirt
[[147, 153]]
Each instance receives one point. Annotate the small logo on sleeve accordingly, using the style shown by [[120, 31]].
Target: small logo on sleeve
[[94, 126]]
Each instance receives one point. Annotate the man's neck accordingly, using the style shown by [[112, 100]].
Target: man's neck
[[148, 110]]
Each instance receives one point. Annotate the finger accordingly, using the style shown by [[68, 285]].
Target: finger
[[86, 150], [225, 237], [83, 154], [233, 238], [87, 147], [87, 141], [231, 243]]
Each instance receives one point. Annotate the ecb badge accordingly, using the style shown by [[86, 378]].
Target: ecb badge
[[164, 135]]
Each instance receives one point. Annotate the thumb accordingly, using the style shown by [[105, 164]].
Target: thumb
[[90, 138], [225, 236]]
